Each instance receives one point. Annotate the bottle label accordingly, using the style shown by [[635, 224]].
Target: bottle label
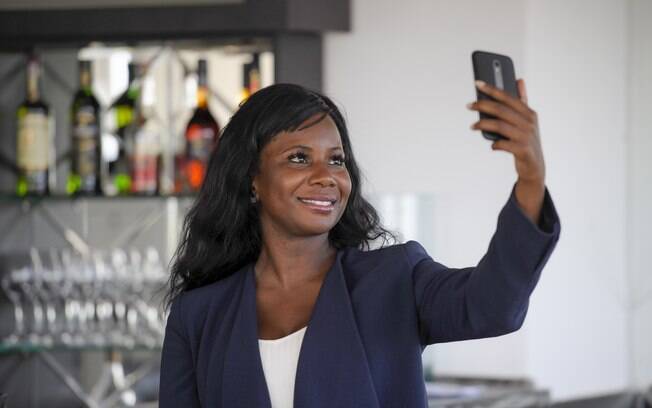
[[144, 162], [200, 142], [86, 140], [144, 174], [33, 142]]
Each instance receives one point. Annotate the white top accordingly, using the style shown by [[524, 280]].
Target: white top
[[280, 358]]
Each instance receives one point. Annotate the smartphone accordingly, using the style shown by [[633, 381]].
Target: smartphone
[[496, 70]]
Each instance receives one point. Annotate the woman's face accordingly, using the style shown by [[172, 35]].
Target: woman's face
[[303, 184]]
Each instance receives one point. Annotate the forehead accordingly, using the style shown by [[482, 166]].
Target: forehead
[[323, 134]]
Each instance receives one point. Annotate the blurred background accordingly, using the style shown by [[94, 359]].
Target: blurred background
[[109, 109]]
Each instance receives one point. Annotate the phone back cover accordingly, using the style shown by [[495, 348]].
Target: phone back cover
[[483, 69]]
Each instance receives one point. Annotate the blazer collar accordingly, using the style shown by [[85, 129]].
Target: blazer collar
[[332, 369]]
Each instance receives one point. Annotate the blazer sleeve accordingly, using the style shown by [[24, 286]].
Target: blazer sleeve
[[177, 383], [490, 299]]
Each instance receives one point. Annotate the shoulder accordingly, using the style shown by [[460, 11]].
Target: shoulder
[[193, 306], [392, 257]]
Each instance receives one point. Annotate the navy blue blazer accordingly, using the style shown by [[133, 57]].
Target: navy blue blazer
[[375, 313]]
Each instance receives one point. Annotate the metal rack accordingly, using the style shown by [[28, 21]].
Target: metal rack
[[79, 225]]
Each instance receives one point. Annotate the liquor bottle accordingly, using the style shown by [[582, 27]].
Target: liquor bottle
[[202, 133], [144, 158], [143, 150], [251, 77], [85, 175], [33, 137], [119, 178]]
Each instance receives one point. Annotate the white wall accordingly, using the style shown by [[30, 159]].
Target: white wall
[[403, 76], [576, 59], [639, 190]]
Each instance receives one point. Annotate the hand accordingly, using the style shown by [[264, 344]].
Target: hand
[[519, 124]]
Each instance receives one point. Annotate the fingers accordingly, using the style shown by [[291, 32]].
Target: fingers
[[514, 118], [521, 90], [508, 130], [500, 111], [517, 149], [507, 99]]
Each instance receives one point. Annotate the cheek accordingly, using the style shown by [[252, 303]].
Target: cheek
[[278, 183], [345, 184]]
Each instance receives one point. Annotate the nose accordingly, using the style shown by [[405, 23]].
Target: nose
[[322, 175]]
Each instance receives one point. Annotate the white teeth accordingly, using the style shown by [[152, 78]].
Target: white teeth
[[322, 203]]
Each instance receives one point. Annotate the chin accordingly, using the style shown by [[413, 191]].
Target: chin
[[312, 230], [308, 228]]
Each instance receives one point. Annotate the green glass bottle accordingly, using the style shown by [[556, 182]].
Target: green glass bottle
[[33, 137], [119, 177], [85, 175]]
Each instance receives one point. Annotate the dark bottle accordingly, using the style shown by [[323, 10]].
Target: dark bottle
[[33, 142], [119, 173], [85, 175], [202, 135]]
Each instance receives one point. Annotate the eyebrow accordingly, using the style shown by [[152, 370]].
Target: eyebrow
[[308, 148]]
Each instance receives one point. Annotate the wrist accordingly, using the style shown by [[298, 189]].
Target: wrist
[[532, 183], [529, 197]]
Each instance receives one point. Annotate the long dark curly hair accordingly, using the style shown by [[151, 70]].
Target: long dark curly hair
[[221, 232]]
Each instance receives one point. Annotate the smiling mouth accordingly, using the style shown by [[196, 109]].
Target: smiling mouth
[[319, 205], [322, 203]]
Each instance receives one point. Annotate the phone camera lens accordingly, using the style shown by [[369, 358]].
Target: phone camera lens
[[496, 63]]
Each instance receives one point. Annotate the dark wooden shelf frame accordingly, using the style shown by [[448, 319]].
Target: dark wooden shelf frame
[[295, 28]]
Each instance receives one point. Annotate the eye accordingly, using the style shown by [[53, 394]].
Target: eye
[[339, 160], [298, 157]]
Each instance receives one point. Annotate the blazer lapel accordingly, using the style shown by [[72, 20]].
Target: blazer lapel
[[332, 370], [243, 382]]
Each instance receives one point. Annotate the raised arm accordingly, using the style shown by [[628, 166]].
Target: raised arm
[[490, 299]]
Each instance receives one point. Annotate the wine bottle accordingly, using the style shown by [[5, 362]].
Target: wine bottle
[[119, 177], [33, 137], [202, 134], [85, 175]]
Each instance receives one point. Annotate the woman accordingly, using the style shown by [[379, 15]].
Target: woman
[[277, 300]]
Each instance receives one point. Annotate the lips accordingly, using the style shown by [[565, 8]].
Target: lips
[[324, 201], [321, 204]]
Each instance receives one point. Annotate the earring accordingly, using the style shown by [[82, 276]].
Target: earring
[[253, 197]]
